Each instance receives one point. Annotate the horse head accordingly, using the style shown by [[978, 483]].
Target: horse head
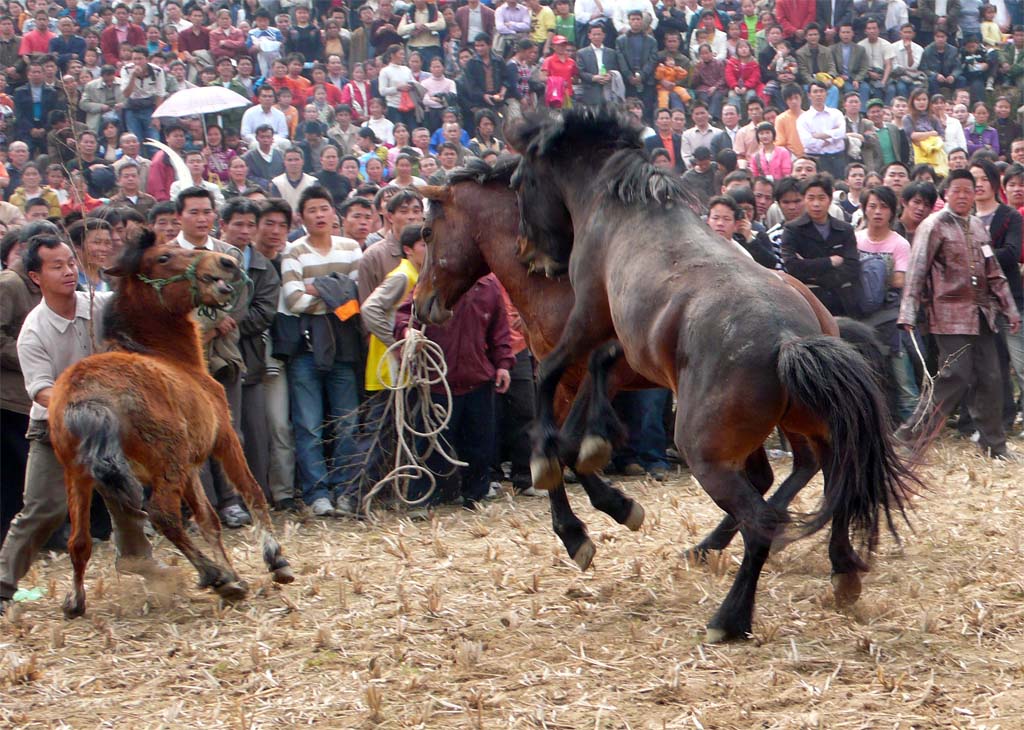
[[180, 279], [559, 154], [453, 262]]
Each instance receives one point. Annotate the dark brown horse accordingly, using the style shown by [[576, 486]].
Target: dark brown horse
[[742, 350], [148, 413], [472, 229]]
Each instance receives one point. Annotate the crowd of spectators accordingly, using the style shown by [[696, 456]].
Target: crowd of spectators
[[824, 138]]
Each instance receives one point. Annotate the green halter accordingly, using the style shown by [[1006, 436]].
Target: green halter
[[189, 275]]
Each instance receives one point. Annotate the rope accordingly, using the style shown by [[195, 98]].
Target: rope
[[421, 365], [928, 380]]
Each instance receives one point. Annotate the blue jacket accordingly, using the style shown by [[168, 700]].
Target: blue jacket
[[25, 119], [66, 49]]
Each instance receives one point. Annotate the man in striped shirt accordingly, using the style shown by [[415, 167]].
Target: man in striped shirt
[[322, 370]]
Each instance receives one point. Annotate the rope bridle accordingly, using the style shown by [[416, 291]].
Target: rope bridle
[[189, 275]]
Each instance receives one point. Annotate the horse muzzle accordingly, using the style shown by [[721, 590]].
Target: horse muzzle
[[432, 312]]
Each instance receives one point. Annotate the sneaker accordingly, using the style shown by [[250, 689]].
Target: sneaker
[[347, 505], [322, 507], [233, 517], [494, 491], [658, 473], [633, 470], [990, 86], [288, 504]]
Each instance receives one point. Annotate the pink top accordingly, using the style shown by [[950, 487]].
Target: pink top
[[893, 249], [779, 166]]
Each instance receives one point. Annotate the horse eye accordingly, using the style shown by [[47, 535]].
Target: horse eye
[[164, 259], [427, 233]]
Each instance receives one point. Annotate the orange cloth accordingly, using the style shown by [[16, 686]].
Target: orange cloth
[[786, 134]]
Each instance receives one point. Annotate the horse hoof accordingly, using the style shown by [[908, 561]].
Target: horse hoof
[[635, 520], [585, 555], [696, 555], [546, 473], [846, 588], [595, 452], [284, 575], [72, 607], [715, 636], [232, 591]]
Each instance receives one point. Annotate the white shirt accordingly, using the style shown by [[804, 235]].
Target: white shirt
[[900, 55], [829, 121], [475, 23], [878, 52], [621, 9], [584, 9], [955, 137], [218, 197], [46, 347], [255, 117], [719, 45]]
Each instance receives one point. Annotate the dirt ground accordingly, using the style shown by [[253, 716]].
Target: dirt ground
[[481, 621]]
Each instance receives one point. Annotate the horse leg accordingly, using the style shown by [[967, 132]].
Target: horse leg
[[165, 513], [584, 327], [229, 452], [602, 426], [758, 521], [759, 473], [79, 488], [603, 496], [207, 520], [570, 529], [846, 564]]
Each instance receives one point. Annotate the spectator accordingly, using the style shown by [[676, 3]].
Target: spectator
[[291, 184], [264, 160], [144, 87], [639, 53], [880, 54], [959, 323], [823, 132], [324, 351], [980, 136], [33, 103], [821, 251]]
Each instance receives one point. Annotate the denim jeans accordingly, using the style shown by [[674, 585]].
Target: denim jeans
[[140, 123], [323, 466], [906, 382], [642, 412]]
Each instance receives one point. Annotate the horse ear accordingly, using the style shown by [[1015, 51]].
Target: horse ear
[[439, 193]]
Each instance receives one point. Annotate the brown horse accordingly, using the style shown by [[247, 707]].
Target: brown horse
[[148, 413], [743, 351], [472, 228]]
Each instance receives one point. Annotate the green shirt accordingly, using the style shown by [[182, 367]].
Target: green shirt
[[566, 26], [888, 151]]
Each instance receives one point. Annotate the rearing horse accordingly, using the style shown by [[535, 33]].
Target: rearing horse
[[148, 413], [742, 350], [472, 228]]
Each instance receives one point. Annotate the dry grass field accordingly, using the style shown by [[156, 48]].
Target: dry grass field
[[481, 621]]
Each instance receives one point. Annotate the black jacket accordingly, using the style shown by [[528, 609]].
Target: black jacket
[[654, 142], [266, 287], [474, 79], [24, 118], [1006, 232], [806, 255]]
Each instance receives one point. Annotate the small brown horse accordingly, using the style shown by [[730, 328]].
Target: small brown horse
[[148, 413], [472, 229], [742, 350]]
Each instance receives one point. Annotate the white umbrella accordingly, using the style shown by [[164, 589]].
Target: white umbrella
[[202, 100]]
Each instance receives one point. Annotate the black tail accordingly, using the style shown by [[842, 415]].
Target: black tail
[[98, 431], [866, 341], [865, 476]]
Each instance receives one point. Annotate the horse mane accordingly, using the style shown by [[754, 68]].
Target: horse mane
[[477, 171], [633, 180], [579, 128], [116, 326]]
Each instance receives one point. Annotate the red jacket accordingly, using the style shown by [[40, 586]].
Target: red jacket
[[112, 49], [475, 340], [794, 15], [748, 75]]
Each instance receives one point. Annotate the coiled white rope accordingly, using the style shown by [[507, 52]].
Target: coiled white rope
[[421, 365]]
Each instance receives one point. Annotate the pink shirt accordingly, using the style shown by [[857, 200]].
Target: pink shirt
[[894, 250]]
